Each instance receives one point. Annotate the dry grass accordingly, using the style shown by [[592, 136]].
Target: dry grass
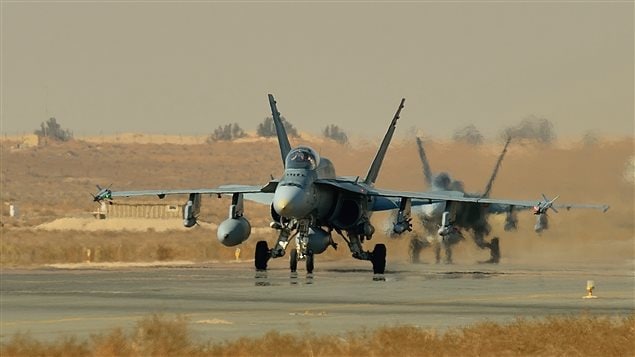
[[158, 335], [33, 248], [24, 248]]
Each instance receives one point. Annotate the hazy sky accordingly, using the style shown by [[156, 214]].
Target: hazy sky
[[186, 68]]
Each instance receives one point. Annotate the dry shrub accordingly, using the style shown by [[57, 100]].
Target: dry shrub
[[568, 336], [34, 247], [164, 253], [24, 345], [157, 335], [114, 343]]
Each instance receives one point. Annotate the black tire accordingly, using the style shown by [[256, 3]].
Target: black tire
[[309, 263], [379, 259], [262, 255], [495, 250], [293, 260]]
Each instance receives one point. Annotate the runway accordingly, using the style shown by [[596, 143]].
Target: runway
[[229, 300]]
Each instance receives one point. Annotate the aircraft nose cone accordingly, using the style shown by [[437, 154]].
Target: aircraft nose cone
[[280, 205], [291, 202]]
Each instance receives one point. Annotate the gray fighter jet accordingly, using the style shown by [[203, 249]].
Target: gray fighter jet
[[445, 223], [465, 217], [308, 203]]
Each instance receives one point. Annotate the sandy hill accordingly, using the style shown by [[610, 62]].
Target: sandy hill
[[55, 181]]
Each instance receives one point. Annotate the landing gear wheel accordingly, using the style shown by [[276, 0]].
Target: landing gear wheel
[[495, 251], [309, 263], [379, 259], [293, 260], [262, 255], [414, 250]]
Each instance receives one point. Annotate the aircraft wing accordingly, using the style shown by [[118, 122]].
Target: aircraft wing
[[254, 193], [503, 206], [497, 208], [259, 194], [604, 208], [390, 199], [385, 198], [529, 204], [432, 197], [230, 189]]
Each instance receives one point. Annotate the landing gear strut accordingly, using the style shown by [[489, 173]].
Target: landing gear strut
[[377, 257], [495, 253], [303, 251], [300, 252], [414, 249], [494, 249]]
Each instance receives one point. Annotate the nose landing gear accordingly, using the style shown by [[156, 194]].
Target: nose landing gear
[[293, 261]]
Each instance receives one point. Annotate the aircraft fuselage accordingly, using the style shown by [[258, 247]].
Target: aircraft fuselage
[[297, 195]]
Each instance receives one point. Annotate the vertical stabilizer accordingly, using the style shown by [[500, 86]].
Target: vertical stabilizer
[[488, 187], [427, 171], [373, 172], [283, 140]]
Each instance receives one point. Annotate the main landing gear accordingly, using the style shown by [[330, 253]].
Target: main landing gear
[[302, 251], [263, 254], [377, 257]]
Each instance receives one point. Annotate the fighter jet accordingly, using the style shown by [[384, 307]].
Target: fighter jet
[[444, 226], [308, 203], [445, 222]]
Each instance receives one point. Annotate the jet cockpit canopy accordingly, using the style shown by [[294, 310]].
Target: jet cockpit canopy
[[302, 158]]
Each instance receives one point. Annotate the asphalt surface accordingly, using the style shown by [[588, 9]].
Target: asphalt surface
[[226, 301]]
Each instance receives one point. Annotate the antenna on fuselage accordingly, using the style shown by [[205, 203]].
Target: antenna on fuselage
[[373, 172], [283, 140]]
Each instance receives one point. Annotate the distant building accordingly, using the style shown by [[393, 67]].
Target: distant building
[[23, 142], [138, 210]]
